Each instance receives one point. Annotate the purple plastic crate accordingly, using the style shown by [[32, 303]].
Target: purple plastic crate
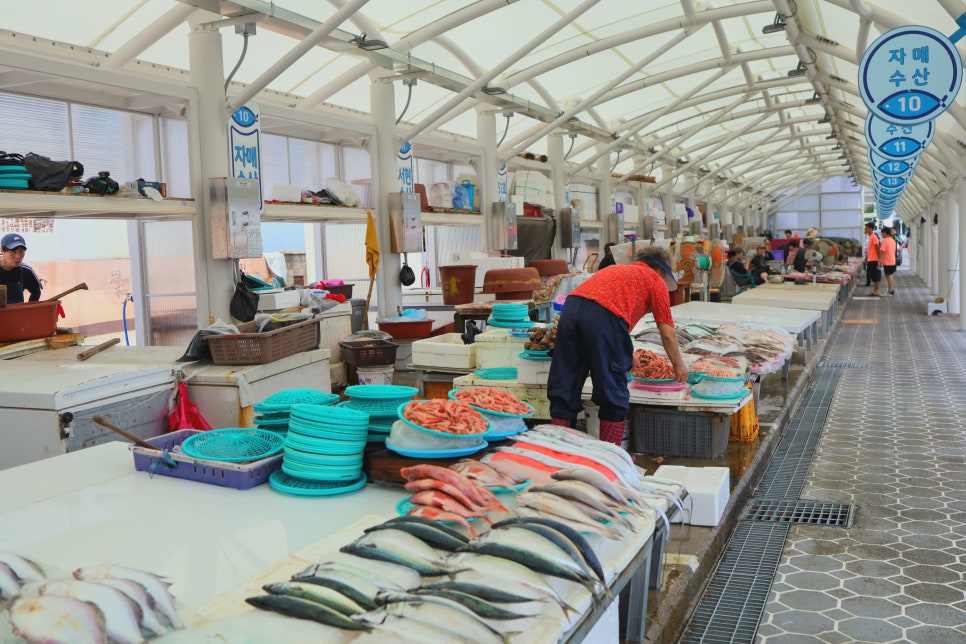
[[240, 476]]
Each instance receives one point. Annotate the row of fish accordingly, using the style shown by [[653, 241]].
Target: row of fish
[[99, 604], [472, 587], [443, 494]]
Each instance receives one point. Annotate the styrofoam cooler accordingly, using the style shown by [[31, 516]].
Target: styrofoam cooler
[[497, 348], [532, 372], [708, 487], [445, 350]]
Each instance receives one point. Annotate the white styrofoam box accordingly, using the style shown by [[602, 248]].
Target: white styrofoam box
[[274, 300], [445, 350], [286, 192], [708, 487], [376, 375], [532, 372], [497, 348], [334, 325], [533, 186], [338, 375], [631, 213], [404, 353], [584, 199]]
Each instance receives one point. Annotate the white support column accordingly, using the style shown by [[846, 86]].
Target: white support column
[[214, 278], [934, 254], [603, 197], [951, 250], [961, 198], [558, 177], [382, 151], [314, 264], [490, 167], [942, 249]]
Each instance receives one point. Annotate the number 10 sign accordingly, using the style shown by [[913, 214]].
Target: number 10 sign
[[910, 75]]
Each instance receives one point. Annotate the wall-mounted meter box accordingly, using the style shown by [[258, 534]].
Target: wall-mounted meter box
[[504, 225], [695, 227], [714, 230], [405, 222], [569, 225], [236, 218], [728, 232], [674, 227], [615, 227], [648, 226]]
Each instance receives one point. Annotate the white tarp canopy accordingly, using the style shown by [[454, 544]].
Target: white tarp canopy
[[690, 89]]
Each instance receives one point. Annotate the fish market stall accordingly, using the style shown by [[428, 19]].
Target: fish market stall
[[824, 303], [219, 546]]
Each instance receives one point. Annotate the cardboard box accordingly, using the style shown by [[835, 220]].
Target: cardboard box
[[708, 487], [276, 299]]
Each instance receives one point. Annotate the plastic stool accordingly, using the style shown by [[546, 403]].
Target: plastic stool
[[935, 307]]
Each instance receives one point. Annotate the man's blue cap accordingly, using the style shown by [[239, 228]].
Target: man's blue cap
[[13, 240]]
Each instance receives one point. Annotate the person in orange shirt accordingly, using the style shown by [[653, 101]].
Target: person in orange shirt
[[887, 258], [872, 259]]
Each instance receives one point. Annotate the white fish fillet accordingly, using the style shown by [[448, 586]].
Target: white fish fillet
[[25, 569], [49, 618], [137, 594], [119, 612], [9, 586], [155, 587]]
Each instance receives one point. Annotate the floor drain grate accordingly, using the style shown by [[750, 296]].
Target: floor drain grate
[[801, 512], [732, 604], [843, 364]]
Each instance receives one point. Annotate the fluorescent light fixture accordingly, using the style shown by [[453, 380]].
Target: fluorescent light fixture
[[493, 91], [776, 26], [367, 44], [798, 71], [815, 100]]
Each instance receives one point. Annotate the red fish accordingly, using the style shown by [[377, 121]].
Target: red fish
[[435, 514]]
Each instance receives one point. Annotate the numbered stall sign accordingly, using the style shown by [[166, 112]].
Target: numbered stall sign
[[910, 75], [501, 184], [900, 142], [244, 143], [892, 167], [404, 168]]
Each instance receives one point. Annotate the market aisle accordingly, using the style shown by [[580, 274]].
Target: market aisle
[[893, 444]]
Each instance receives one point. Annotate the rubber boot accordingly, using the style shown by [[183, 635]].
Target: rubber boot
[[561, 422], [612, 431]]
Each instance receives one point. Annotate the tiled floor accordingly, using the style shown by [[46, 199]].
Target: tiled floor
[[894, 444]]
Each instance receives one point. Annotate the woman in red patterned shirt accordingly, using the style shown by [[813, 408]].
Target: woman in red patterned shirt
[[594, 336]]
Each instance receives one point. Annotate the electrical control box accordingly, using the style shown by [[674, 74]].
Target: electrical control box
[[648, 226], [504, 225], [714, 230], [674, 227], [569, 225], [615, 227], [405, 222], [236, 218]]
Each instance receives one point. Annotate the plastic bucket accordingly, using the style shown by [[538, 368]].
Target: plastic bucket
[[458, 283], [376, 375]]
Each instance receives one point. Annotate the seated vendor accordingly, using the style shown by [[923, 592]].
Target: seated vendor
[[739, 268], [758, 267]]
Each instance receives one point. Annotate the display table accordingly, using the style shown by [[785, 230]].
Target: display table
[[92, 507], [539, 311], [815, 300]]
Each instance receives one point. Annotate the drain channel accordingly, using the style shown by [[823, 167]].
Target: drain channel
[[840, 364], [839, 515], [731, 606]]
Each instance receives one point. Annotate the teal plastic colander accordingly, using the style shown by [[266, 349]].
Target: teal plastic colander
[[380, 392], [288, 484], [497, 373], [329, 433], [233, 444], [375, 408], [289, 397], [329, 415]]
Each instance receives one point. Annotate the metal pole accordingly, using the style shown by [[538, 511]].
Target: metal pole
[[489, 169], [382, 152]]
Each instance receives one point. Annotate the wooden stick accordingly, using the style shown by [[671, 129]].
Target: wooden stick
[[84, 355], [80, 287], [100, 420]]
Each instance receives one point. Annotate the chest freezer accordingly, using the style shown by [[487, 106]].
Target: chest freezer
[[48, 401], [225, 393]]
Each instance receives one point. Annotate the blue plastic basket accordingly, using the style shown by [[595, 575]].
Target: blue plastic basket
[[303, 487], [289, 397], [437, 433], [375, 408], [233, 444], [652, 381], [497, 373], [239, 476], [436, 453], [380, 392]]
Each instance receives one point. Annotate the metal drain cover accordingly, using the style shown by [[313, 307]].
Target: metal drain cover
[[833, 363], [839, 515]]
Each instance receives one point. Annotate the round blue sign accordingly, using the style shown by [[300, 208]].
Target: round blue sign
[[891, 167], [898, 141], [910, 75], [244, 117]]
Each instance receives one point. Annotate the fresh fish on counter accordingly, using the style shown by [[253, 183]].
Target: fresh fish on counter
[[429, 522], [443, 501], [398, 547], [49, 618], [554, 507], [479, 606], [122, 623], [558, 540], [361, 592], [23, 568], [449, 616], [9, 584], [477, 495], [583, 493], [394, 628], [484, 474], [435, 514], [591, 477], [156, 588], [577, 539], [420, 485], [319, 594], [305, 609], [495, 571], [534, 552], [482, 591], [429, 534], [373, 578], [137, 594]]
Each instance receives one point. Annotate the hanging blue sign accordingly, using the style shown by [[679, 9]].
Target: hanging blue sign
[[404, 168], [891, 182], [910, 75], [898, 141], [244, 143], [891, 167]]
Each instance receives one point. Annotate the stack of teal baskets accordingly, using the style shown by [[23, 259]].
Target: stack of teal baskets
[[380, 402], [510, 316], [273, 412], [14, 177], [323, 451]]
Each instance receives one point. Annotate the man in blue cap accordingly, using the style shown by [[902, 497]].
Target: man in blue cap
[[14, 274]]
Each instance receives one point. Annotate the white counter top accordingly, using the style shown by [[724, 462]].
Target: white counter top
[[787, 299], [791, 320]]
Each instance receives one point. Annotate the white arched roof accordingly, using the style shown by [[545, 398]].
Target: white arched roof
[[695, 85]]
